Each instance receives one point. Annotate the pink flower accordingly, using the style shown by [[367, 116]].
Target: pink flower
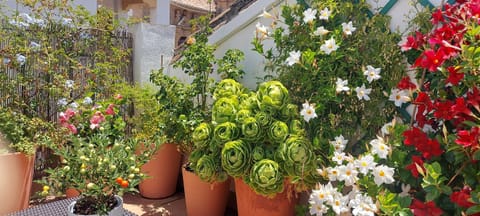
[[72, 128], [110, 110], [65, 116], [118, 96], [96, 119]]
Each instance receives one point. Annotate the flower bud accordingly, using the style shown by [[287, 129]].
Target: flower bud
[[82, 171], [113, 167], [90, 185], [131, 176], [137, 170], [127, 148], [66, 168], [46, 188]]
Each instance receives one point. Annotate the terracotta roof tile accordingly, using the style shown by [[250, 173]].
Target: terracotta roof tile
[[202, 5]]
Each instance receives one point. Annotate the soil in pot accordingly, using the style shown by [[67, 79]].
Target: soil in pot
[[86, 205]]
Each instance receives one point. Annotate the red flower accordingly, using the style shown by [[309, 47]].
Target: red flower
[[419, 208], [461, 198], [468, 138], [454, 76], [460, 107], [473, 98], [406, 83], [415, 136], [443, 110], [437, 17], [413, 42], [430, 60], [423, 100], [429, 149], [416, 160], [110, 110], [96, 119]]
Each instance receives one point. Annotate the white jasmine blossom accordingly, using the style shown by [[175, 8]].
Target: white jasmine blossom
[[379, 147], [333, 173], [308, 111], [320, 31], [339, 143], [309, 15], [329, 46], [324, 14], [372, 73], [362, 92], [348, 173], [338, 157], [383, 174], [293, 58], [365, 163], [341, 85], [348, 28], [399, 97]]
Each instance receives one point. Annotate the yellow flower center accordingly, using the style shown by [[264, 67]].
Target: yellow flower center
[[381, 173], [309, 112], [364, 164], [348, 172]]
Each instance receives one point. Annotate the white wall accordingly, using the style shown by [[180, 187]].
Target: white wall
[[151, 42]]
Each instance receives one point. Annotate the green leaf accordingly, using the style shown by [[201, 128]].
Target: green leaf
[[432, 192], [476, 155], [473, 210], [308, 57]]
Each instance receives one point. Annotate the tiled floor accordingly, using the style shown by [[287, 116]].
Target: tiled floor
[[173, 205]]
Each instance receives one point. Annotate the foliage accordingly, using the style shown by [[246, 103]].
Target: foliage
[[56, 54], [264, 153], [339, 60], [24, 133], [440, 145], [98, 160]]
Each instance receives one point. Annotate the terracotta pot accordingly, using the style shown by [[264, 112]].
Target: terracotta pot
[[202, 198], [163, 170], [16, 181], [250, 203]]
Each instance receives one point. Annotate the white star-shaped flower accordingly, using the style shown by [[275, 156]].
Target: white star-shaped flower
[[339, 143], [348, 28], [329, 46], [341, 85], [324, 14], [293, 58], [372, 73], [308, 111], [261, 30], [321, 31], [362, 92], [379, 147], [383, 174], [399, 97], [309, 15], [365, 163]]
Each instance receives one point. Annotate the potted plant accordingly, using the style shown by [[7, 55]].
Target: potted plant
[[438, 153], [263, 146], [99, 160], [19, 138]]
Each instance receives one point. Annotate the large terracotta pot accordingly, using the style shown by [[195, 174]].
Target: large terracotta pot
[[202, 198], [15, 182], [163, 170], [250, 203]]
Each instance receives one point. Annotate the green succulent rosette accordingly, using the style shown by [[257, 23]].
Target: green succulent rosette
[[296, 127], [266, 178], [258, 153], [236, 158], [272, 96], [224, 109], [263, 119], [202, 135], [289, 112], [297, 156], [277, 132], [242, 115], [194, 157], [249, 101], [207, 168], [227, 88], [251, 130], [225, 132]]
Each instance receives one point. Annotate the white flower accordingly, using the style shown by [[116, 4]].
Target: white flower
[[321, 31], [372, 73], [379, 147], [341, 85], [62, 102], [308, 111], [339, 143], [294, 57], [74, 105], [365, 163], [309, 15], [383, 174], [348, 173], [27, 18], [338, 157], [318, 209], [339, 204], [324, 14], [324, 193], [69, 83], [333, 173], [348, 28], [21, 59], [34, 45], [87, 100], [362, 92], [387, 128], [262, 30], [399, 97], [265, 14], [67, 22], [6, 60], [363, 205], [329, 46], [405, 190]]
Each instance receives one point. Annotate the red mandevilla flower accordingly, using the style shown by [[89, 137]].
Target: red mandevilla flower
[[443, 110], [419, 208], [430, 60], [460, 107], [429, 149], [473, 98], [468, 138], [454, 76], [461, 198], [406, 83], [416, 161], [414, 136]]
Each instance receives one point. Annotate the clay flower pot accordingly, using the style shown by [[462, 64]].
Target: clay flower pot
[[202, 198]]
